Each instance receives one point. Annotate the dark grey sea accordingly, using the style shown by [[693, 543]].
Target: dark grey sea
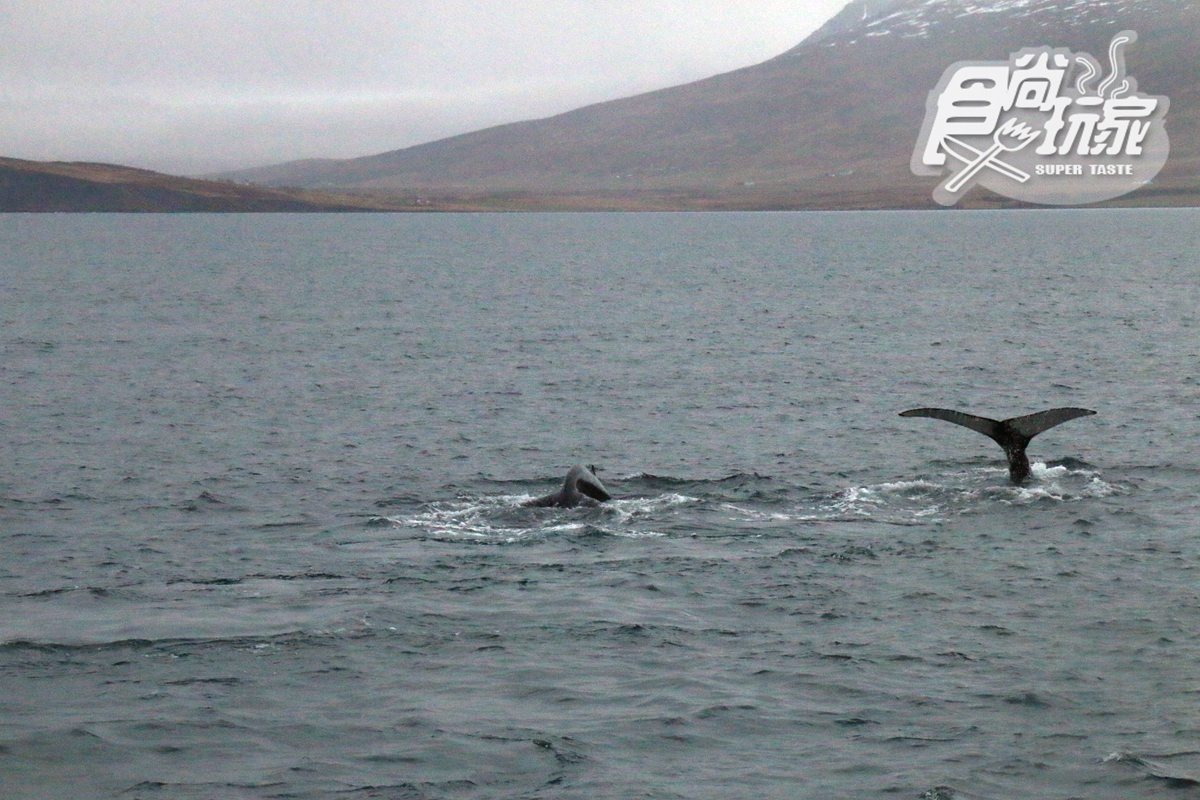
[[262, 532]]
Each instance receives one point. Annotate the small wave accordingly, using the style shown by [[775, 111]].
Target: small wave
[[258, 576], [634, 507], [172, 644], [670, 480], [741, 486], [896, 503], [500, 518], [758, 515], [948, 793], [1154, 769], [211, 501], [1062, 482], [94, 591], [969, 490], [506, 519], [652, 478], [38, 646], [913, 499], [209, 789], [922, 500]]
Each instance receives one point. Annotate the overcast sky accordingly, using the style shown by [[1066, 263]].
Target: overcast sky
[[200, 85]]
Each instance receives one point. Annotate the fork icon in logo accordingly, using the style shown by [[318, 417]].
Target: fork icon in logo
[[1009, 137]]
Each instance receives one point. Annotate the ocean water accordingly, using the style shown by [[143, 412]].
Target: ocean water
[[262, 533]]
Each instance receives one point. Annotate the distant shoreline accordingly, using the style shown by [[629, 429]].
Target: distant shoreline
[[71, 187]]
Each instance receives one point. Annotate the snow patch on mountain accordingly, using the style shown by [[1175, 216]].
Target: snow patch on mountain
[[863, 19]]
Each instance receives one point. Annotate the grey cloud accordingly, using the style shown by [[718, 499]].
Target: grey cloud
[[214, 84]]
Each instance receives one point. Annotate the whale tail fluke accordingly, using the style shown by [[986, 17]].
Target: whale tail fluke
[[1013, 434]]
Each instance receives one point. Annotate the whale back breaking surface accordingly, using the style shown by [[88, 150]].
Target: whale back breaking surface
[[580, 487], [588, 484]]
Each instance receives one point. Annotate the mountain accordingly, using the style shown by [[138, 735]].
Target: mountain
[[829, 123], [62, 186]]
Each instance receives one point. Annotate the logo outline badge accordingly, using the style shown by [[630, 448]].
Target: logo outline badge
[[1021, 129]]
